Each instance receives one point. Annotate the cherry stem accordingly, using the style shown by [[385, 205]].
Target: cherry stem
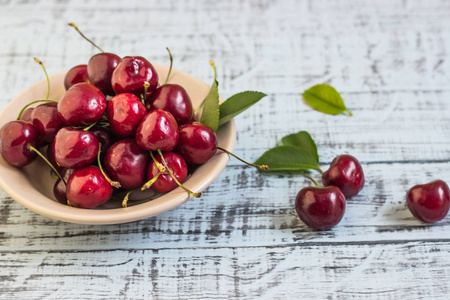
[[197, 195], [144, 96], [46, 160], [160, 167], [90, 126], [261, 167], [46, 76], [350, 114], [149, 183], [52, 173], [111, 182], [170, 68], [92, 43], [215, 79], [33, 102], [126, 198], [310, 178]]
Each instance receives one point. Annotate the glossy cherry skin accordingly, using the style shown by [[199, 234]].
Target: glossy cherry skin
[[124, 112], [429, 202], [26, 115], [197, 143], [76, 75], [59, 189], [174, 99], [346, 173], [127, 163], [75, 148], [51, 158], [105, 136], [130, 75], [165, 182], [16, 136], [157, 130], [320, 208], [81, 105], [46, 120], [88, 188], [100, 69]]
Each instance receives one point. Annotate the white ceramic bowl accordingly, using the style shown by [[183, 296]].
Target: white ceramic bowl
[[32, 186]]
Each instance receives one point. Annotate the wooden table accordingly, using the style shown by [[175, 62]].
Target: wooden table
[[242, 239]]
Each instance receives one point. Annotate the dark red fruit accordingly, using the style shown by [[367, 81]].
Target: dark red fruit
[[124, 112], [46, 120], [81, 105], [165, 182], [157, 130], [105, 136], [52, 160], [346, 173], [320, 208], [127, 163], [76, 75], [16, 136], [174, 99], [197, 143], [26, 115], [100, 69], [88, 188], [59, 189], [429, 202], [75, 148], [130, 75]]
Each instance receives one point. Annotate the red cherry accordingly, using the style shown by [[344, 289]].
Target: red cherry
[[75, 148], [346, 173], [81, 105], [174, 99], [124, 112], [130, 75], [320, 208], [100, 69], [26, 115], [46, 120], [51, 158], [76, 75], [157, 130], [429, 202], [197, 143], [105, 136], [165, 182], [59, 189], [127, 163], [88, 188], [16, 136]]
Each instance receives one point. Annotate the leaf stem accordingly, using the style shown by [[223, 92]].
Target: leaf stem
[[261, 167], [92, 43], [33, 102], [349, 113], [46, 160], [46, 76], [115, 184], [170, 68]]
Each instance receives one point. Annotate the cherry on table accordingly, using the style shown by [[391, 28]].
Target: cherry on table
[[76, 75], [16, 138], [124, 112], [320, 208], [346, 173], [100, 69], [429, 202], [197, 143], [45, 119], [165, 183]]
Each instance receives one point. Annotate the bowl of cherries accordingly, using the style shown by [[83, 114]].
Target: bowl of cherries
[[113, 141]]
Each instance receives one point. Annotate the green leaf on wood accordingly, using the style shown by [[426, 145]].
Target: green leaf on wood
[[237, 104], [210, 113], [302, 139], [288, 158], [326, 99]]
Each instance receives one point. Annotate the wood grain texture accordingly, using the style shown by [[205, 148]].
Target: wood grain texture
[[241, 239]]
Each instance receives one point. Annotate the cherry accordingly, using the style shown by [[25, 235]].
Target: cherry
[[105, 136], [174, 99], [52, 160], [320, 208], [429, 202], [59, 189], [76, 75], [88, 188], [130, 75], [46, 120], [157, 130], [124, 112], [75, 148], [127, 163], [197, 143], [165, 183], [82, 104], [26, 115], [346, 173], [16, 139], [100, 69]]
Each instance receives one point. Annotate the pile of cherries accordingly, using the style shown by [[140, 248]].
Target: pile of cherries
[[113, 114]]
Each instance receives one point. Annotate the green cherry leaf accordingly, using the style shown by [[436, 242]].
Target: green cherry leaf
[[237, 104], [302, 139], [210, 113], [326, 99], [288, 158]]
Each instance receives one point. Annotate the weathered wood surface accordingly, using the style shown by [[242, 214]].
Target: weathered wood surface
[[242, 239]]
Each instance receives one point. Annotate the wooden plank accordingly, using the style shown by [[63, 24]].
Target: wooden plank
[[413, 270]]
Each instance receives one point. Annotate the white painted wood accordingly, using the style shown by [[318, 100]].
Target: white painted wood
[[242, 239]]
